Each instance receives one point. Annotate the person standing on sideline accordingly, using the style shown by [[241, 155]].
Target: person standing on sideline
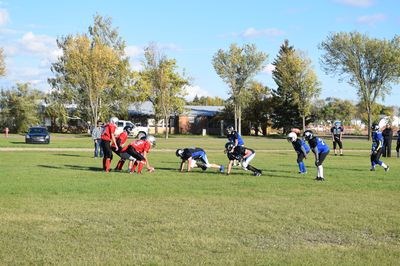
[[108, 139], [301, 148], [387, 134], [96, 136], [376, 148], [337, 133], [320, 150], [398, 143]]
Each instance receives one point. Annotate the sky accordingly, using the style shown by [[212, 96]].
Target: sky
[[192, 32]]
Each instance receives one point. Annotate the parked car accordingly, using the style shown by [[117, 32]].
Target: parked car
[[136, 129], [37, 135]]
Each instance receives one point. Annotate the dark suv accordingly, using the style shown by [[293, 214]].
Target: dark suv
[[37, 135]]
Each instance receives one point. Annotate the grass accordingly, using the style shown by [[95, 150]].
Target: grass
[[57, 207]]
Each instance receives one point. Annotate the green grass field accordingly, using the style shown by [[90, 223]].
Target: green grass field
[[58, 207]]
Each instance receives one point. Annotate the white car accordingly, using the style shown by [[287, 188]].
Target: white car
[[135, 129]]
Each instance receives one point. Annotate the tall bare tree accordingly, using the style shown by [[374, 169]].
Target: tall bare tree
[[370, 65], [236, 67]]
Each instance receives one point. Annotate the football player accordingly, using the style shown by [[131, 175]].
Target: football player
[[243, 155], [195, 157], [235, 138], [108, 139], [337, 133], [320, 150], [376, 148], [301, 148]]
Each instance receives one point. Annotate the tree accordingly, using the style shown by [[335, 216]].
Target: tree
[[297, 82], [370, 65], [20, 108], [207, 101], [162, 85], [94, 71], [337, 109], [236, 67], [2, 64], [258, 109]]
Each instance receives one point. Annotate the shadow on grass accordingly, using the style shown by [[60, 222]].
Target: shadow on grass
[[49, 166], [68, 155], [84, 168], [17, 142]]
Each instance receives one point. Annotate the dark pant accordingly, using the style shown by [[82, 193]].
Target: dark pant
[[387, 148]]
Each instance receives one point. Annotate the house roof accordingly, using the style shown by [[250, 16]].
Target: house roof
[[146, 108]]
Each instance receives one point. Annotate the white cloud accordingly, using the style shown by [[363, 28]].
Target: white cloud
[[371, 19], [356, 3], [134, 51], [268, 69], [254, 33], [4, 18], [37, 44], [192, 91]]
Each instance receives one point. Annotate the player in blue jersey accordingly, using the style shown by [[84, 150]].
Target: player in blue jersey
[[235, 138], [320, 150], [195, 157], [376, 148], [301, 148]]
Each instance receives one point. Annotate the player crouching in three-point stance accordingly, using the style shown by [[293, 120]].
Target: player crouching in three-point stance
[[243, 155], [320, 150], [195, 157], [376, 149]]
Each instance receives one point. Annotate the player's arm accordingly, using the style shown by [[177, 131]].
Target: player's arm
[[182, 166], [189, 167], [229, 167], [149, 168]]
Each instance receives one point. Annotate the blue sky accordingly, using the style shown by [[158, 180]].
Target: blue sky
[[192, 32]]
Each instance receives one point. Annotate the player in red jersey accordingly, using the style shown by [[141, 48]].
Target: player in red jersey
[[142, 146], [108, 139], [121, 141]]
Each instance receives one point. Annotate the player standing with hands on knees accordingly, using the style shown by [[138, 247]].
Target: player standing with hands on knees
[[320, 150]]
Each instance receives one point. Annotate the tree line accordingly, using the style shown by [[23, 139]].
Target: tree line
[[93, 75]]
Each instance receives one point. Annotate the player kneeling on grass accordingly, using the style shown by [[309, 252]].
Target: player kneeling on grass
[[195, 157], [320, 150], [301, 148], [243, 155], [136, 152]]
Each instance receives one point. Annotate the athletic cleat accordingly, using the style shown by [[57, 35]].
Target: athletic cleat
[[387, 169], [372, 169], [318, 178], [221, 169], [335, 154], [257, 174], [341, 154]]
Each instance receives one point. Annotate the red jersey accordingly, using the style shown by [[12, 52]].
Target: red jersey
[[141, 146], [109, 129], [121, 139]]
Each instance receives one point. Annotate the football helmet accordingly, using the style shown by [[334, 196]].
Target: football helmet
[[128, 129], [114, 120], [179, 152], [229, 146], [308, 134], [151, 139], [142, 135], [230, 129], [375, 127], [291, 137]]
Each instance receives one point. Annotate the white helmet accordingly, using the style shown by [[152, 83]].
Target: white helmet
[[151, 139], [291, 137], [114, 120]]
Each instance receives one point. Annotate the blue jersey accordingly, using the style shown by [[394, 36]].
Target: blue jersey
[[194, 153], [318, 145], [300, 146], [232, 137], [377, 140]]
